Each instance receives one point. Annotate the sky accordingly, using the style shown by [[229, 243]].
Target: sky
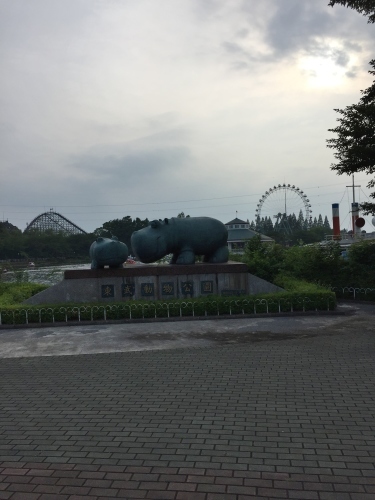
[[145, 108]]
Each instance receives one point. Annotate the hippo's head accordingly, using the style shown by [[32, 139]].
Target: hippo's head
[[150, 243]]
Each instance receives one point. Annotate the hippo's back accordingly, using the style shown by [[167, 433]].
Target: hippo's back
[[204, 234]]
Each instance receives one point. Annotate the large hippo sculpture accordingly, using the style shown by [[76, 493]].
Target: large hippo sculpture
[[184, 238], [108, 252]]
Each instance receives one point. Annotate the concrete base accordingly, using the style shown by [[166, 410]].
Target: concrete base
[[154, 282]]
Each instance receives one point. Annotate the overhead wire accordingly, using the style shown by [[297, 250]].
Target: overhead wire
[[163, 202]]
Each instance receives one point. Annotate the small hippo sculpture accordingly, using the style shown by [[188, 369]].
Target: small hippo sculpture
[[108, 252], [184, 238]]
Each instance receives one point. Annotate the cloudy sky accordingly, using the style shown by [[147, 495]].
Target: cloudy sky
[[149, 108]]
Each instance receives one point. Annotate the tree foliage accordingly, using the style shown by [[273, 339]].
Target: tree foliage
[[263, 259], [291, 230], [33, 245], [122, 229], [318, 264], [364, 7], [355, 142]]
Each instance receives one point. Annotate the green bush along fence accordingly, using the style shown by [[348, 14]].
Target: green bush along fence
[[141, 310]]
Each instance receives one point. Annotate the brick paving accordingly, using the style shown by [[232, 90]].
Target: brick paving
[[280, 419]]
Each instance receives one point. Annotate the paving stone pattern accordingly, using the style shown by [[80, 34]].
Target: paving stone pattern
[[281, 419]]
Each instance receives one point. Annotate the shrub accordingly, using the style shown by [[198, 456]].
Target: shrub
[[15, 293], [361, 262], [292, 284], [263, 259]]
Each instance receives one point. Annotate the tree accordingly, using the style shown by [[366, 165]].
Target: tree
[[326, 224], [361, 257], [355, 141], [263, 259], [365, 7], [315, 263], [300, 220], [122, 229], [268, 226]]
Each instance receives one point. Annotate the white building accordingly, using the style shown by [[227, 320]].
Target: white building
[[239, 233]]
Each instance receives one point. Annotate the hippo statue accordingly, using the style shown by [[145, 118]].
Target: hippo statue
[[184, 238], [108, 252]]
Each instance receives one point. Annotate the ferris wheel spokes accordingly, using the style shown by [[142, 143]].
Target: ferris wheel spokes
[[291, 195]]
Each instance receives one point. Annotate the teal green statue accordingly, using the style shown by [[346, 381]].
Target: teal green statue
[[184, 238], [108, 252]]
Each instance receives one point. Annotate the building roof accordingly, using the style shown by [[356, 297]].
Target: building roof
[[236, 221]]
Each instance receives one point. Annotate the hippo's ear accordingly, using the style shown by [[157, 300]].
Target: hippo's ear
[[166, 220], [114, 238], [155, 224], [99, 239]]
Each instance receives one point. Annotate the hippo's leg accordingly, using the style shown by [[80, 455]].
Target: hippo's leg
[[94, 264], [174, 258], [186, 257], [219, 256]]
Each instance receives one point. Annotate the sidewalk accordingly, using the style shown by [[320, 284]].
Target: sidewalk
[[250, 408], [153, 335]]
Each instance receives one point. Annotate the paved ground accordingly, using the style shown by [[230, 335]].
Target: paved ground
[[94, 339], [220, 417]]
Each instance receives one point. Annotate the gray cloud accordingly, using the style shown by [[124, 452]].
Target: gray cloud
[[352, 73], [130, 105], [296, 24], [134, 166], [293, 27]]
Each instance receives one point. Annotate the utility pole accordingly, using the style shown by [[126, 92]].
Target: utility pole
[[355, 209]]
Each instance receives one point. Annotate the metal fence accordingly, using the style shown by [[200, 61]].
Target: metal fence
[[350, 292], [166, 310]]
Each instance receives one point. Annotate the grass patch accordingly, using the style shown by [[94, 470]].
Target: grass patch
[[16, 293], [291, 284]]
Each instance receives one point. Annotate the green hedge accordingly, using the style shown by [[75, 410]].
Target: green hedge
[[15, 293], [199, 307]]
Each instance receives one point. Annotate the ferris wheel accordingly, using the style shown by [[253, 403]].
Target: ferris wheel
[[283, 200]]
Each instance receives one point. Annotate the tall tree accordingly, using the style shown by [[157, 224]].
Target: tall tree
[[326, 223], [300, 220], [355, 142]]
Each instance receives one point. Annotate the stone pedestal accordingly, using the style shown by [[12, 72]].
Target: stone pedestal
[[153, 282]]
